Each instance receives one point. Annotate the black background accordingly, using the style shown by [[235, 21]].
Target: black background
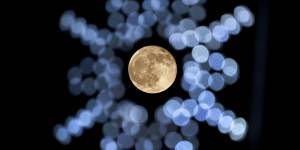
[[58, 52]]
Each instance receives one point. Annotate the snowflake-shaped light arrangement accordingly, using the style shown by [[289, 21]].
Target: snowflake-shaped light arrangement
[[124, 122]]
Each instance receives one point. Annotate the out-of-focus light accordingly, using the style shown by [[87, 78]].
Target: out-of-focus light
[[90, 36], [161, 117], [190, 130], [132, 18], [78, 27], [216, 81], [75, 89], [179, 8], [147, 5], [86, 65], [197, 12], [159, 5], [231, 24], [220, 33], [171, 139], [138, 114], [238, 130], [194, 91], [200, 53], [108, 143], [216, 61], [201, 114], [244, 16], [148, 145], [131, 128], [187, 24], [230, 67], [74, 75], [181, 116], [113, 5], [184, 145], [206, 99], [226, 121], [66, 20], [88, 86], [101, 82], [62, 134], [115, 20], [214, 114], [171, 105], [156, 131], [147, 18], [125, 141], [231, 79], [85, 118], [203, 34], [189, 38], [213, 44], [176, 41], [130, 6], [190, 2], [110, 129], [203, 79], [191, 105], [73, 127]]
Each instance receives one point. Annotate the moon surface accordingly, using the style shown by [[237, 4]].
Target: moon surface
[[152, 69]]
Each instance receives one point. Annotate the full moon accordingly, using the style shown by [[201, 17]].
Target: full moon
[[152, 69]]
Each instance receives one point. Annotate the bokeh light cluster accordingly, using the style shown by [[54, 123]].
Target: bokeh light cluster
[[125, 125]]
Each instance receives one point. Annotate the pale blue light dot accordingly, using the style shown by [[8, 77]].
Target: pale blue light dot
[[138, 114], [148, 145], [170, 106], [231, 79], [191, 75], [187, 24], [231, 24], [190, 2], [117, 91], [132, 18], [220, 33], [179, 8], [202, 79], [130, 6], [216, 61], [184, 145], [73, 127], [85, 119], [191, 105], [213, 116], [200, 53], [201, 114], [86, 65], [125, 141], [131, 128], [194, 91], [88, 86], [75, 89], [147, 5], [213, 44], [62, 134], [216, 81], [203, 34], [74, 75], [90, 35], [225, 124], [238, 130], [113, 5], [108, 143], [189, 38], [147, 18], [230, 67], [184, 85], [176, 41], [197, 12], [159, 5], [181, 117], [190, 64], [110, 129], [161, 117], [115, 20], [171, 139], [190, 130], [244, 16], [206, 99], [66, 20], [105, 34], [78, 27]]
